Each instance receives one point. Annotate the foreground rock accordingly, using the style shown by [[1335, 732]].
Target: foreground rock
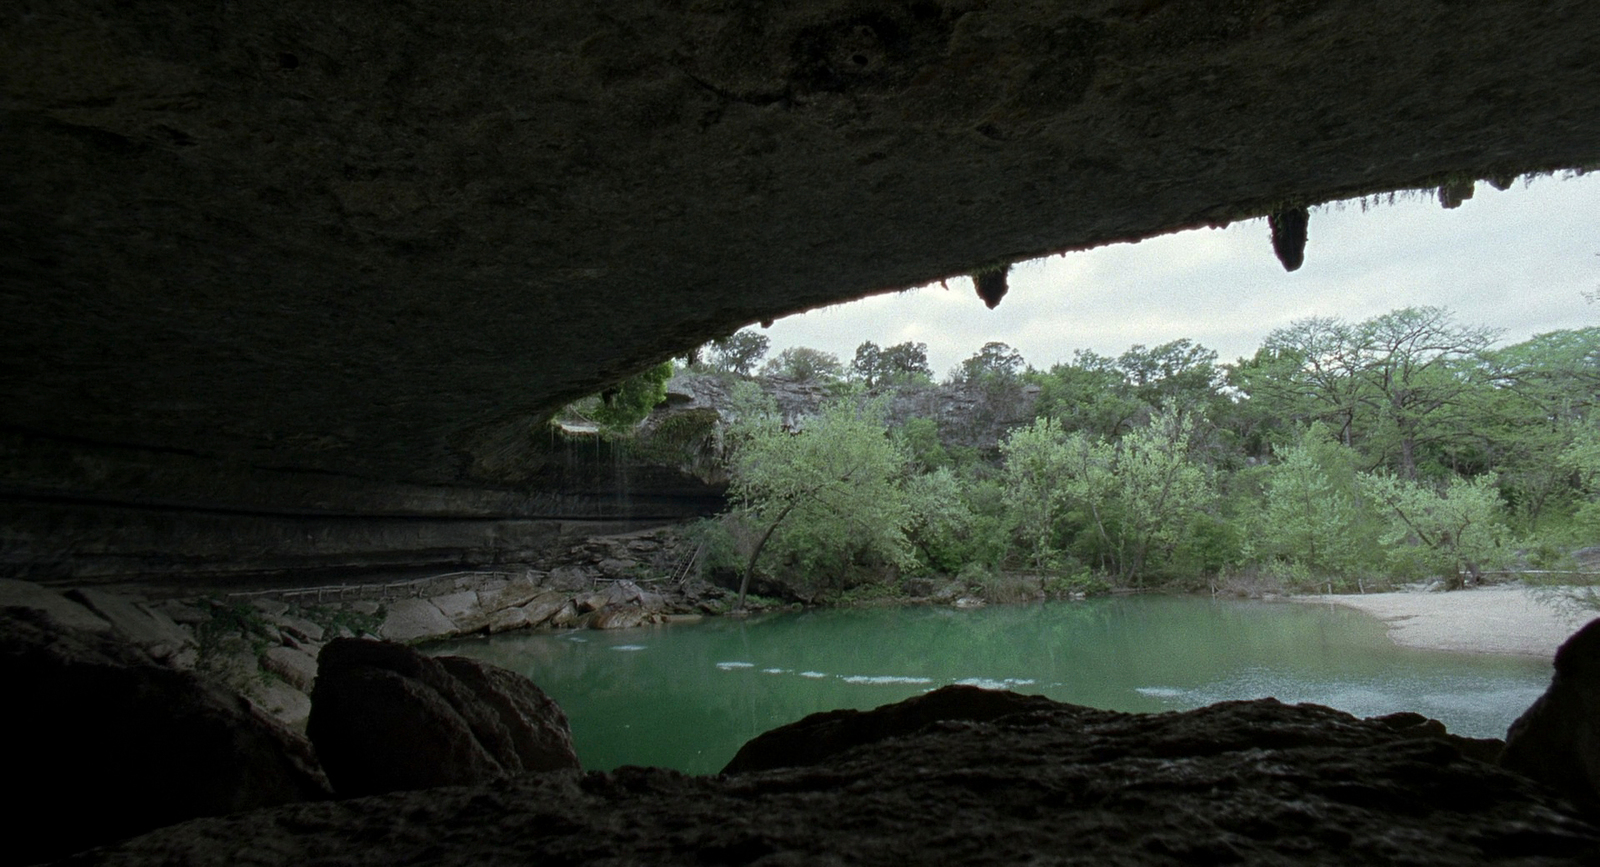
[[1242, 782], [106, 742], [1557, 740], [385, 718]]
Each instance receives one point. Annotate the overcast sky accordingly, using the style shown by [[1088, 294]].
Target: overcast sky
[[1518, 260]]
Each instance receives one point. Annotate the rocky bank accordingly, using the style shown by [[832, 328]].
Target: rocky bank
[[1029, 782]]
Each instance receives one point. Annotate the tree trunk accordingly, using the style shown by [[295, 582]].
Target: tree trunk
[[750, 567]]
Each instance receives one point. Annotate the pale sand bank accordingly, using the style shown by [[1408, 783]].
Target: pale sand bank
[[1505, 618]]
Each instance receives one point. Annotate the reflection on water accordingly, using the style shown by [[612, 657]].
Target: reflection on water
[[687, 697]]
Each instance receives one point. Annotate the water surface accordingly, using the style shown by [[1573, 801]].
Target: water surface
[[688, 696]]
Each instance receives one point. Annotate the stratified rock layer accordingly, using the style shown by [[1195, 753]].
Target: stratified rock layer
[[1241, 782], [385, 718]]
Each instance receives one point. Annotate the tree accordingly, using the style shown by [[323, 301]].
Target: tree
[[1454, 528], [628, 402], [1140, 495], [1161, 489], [1311, 516], [1545, 390], [995, 362], [1305, 372], [868, 364], [739, 352], [1393, 385], [1182, 374], [804, 364], [1037, 476], [1415, 367], [904, 360], [825, 496], [1091, 394], [619, 409]]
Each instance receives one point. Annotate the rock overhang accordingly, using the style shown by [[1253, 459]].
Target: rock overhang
[[381, 242]]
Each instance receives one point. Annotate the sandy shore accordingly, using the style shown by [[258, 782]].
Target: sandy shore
[[1500, 619]]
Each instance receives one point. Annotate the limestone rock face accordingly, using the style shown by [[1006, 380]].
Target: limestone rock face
[[1557, 740], [1254, 783], [267, 263], [105, 743], [386, 718]]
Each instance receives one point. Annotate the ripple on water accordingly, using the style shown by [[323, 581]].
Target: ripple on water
[[731, 666], [883, 679], [991, 683], [629, 647]]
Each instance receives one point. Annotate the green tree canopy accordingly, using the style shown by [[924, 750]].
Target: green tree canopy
[[804, 364], [826, 496], [740, 352]]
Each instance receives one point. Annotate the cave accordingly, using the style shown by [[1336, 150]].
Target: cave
[[293, 288]]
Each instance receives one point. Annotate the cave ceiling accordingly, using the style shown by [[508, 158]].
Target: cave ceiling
[[382, 239]]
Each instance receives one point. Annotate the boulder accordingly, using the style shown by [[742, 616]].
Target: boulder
[[464, 610], [299, 628], [1557, 739], [24, 594], [823, 735], [507, 619], [613, 567], [151, 629], [107, 743], [619, 617], [386, 718], [283, 702], [1253, 783], [415, 620], [513, 594], [546, 605], [296, 667]]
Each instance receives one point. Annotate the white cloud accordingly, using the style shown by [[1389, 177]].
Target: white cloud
[[1518, 260]]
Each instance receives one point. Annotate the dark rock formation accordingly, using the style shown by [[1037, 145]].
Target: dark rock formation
[[1288, 227], [385, 718], [293, 283], [106, 743], [1557, 740], [1237, 783], [992, 285], [821, 736]]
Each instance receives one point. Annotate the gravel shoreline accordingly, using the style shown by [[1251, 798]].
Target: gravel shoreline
[[1506, 618]]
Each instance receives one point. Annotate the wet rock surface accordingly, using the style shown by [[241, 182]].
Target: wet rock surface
[[108, 742], [385, 718], [1242, 782]]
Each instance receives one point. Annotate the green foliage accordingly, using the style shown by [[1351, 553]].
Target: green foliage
[[1339, 454], [903, 362], [941, 526], [826, 498], [1312, 518], [804, 364], [1121, 501], [1079, 582], [919, 437], [740, 352], [626, 404], [994, 363], [1456, 529]]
